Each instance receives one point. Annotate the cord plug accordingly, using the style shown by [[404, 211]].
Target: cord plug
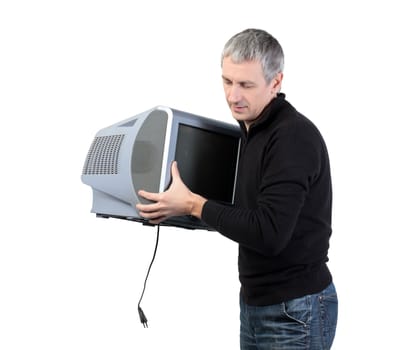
[[143, 318]]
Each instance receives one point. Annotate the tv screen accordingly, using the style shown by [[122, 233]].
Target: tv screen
[[207, 162]]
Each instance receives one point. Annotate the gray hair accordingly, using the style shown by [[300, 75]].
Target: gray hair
[[256, 45]]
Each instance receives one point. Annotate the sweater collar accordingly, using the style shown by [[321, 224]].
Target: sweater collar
[[267, 113]]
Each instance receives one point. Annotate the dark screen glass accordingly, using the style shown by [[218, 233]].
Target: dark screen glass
[[207, 162]]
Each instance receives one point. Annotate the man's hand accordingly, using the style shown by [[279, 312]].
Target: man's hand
[[176, 201]]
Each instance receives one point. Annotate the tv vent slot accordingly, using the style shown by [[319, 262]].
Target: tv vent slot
[[102, 158]]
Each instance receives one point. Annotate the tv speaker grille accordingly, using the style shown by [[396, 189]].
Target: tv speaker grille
[[102, 158]]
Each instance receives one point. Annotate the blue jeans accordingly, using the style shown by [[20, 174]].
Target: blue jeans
[[306, 323]]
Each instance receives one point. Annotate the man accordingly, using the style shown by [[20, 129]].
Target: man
[[282, 212]]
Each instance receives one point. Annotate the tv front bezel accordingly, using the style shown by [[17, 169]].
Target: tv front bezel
[[200, 122]]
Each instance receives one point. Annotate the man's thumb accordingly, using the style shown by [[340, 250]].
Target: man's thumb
[[175, 171]]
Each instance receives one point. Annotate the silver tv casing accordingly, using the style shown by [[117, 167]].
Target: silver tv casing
[[136, 153]]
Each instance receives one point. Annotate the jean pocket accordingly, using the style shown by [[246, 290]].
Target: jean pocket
[[298, 310]]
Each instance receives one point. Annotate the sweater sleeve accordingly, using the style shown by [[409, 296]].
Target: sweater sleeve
[[266, 224]]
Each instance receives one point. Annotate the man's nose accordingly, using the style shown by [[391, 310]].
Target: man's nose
[[234, 94]]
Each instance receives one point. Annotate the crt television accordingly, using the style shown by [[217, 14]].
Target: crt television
[[137, 153]]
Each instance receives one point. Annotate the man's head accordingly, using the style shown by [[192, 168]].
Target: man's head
[[252, 70]]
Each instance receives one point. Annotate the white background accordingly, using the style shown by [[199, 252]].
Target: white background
[[69, 68]]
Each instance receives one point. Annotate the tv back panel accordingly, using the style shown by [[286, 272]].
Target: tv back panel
[[137, 153]]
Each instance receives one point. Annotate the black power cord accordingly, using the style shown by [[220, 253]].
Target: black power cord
[[142, 316]]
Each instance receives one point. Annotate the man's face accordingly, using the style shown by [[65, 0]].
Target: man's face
[[246, 90]]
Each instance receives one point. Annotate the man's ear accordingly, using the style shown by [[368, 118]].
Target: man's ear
[[276, 83]]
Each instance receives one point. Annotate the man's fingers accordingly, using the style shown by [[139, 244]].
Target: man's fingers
[[149, 195], [163, 203], [147, 208], [157, 220]]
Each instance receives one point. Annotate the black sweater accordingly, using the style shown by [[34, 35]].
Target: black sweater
[[281, 217]]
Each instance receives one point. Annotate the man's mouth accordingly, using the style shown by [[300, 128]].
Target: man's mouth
[[238, 109]]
